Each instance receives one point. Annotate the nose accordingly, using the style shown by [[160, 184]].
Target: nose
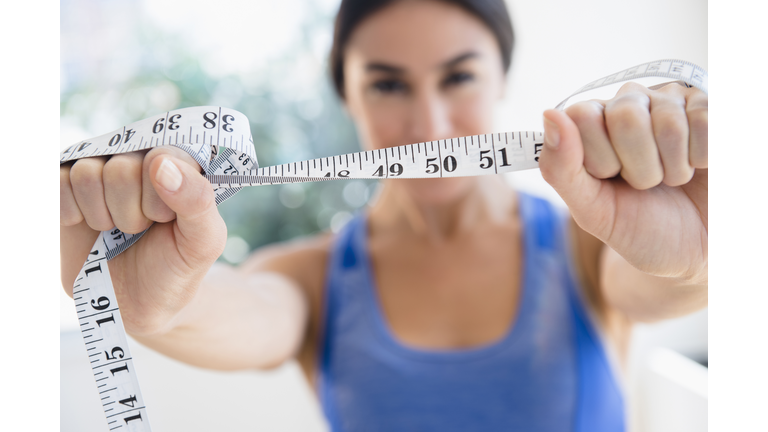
[[429, 118]]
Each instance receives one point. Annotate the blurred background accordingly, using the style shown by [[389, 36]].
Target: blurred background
[[124, 60]]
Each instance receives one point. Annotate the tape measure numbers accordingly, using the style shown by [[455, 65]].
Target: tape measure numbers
[[219, 139]]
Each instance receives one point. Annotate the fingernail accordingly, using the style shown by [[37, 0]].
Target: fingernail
[[169, 176], [551, 134]]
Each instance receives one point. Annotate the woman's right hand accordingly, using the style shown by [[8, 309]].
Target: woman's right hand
[[159, 275]]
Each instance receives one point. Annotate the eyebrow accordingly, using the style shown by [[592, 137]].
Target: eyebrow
[[458, 59], [398, 70], [383, 67]]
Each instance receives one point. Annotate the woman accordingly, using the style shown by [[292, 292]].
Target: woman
[[452, 304]]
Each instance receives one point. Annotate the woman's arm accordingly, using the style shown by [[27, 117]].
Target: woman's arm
[[237, 320], [617, 291], [645, 298], [257, 315]]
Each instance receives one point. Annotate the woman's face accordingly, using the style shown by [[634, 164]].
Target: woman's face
[[421, 71]]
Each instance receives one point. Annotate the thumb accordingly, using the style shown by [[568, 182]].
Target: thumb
[[190, 196], [562, 166]]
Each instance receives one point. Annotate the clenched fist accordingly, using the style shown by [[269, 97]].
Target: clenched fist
[[160, 274], [633, 172]]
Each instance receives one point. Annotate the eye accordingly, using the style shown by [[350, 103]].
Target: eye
[[457, 78], [389, 86]]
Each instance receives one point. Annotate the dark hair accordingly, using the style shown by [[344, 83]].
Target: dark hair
[[351, 12]]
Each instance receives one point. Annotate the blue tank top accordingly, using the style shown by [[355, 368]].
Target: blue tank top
[[550, 372]]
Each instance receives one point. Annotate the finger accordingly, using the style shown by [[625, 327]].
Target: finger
[[152, 206], [122, 192], [562, 166], [201, 231], [88, 189], [698, 119], [670, 130], [69, 213], [628, 120], [600, 159]]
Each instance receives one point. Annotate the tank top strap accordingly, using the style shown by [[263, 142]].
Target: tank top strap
[[345, 270], [600, 402], [540, 220]]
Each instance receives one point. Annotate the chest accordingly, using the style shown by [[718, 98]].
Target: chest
[[456, 294]]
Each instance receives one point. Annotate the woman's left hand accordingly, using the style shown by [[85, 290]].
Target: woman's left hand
[[633, 171]]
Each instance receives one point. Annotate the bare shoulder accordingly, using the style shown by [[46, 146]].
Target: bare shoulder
[[303, 260]]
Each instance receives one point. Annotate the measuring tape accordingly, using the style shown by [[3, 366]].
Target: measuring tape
[[219, 139]]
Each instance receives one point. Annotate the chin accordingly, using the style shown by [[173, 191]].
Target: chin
[[437, 192]]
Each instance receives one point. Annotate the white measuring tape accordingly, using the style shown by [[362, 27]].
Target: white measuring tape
[[203, 131]]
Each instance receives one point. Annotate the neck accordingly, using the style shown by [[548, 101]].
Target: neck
[[485, 200]]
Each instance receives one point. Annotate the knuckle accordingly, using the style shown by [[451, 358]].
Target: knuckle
[[627, 111], [673, 88], [622, 117], [669, 130], [585, 112], [121, 170], [86, 173], [632, 87]]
